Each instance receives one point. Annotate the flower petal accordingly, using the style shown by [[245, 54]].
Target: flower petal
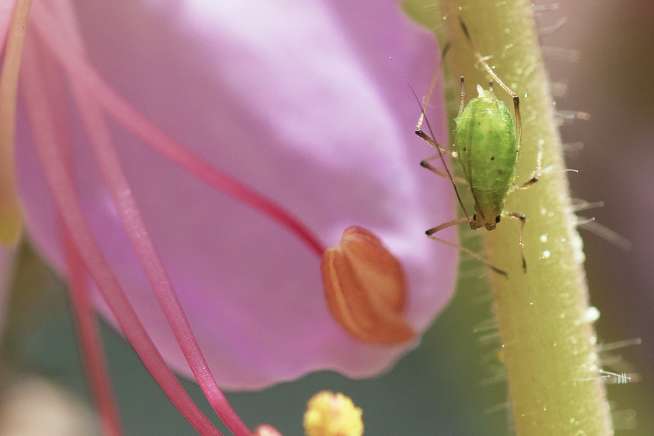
[[308, 105]]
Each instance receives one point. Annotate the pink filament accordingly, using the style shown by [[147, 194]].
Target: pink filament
[[67, 50], [94, 360], [90, 343], [61, 184], [147, 253], [133, 224]]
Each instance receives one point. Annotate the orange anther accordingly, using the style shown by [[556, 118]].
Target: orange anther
[[366, 289]]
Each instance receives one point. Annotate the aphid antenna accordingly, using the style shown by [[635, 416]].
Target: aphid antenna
[[475, 273], [467, 262], [423, 118]]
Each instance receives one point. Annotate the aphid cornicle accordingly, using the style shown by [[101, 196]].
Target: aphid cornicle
[[486, 145]]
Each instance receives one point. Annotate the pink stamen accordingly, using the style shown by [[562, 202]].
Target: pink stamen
[[133, 224], [62, 187], [91, 345], [67, 50]]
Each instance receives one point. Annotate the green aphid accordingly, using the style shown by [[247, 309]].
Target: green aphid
[[487, 148], [486, 145]]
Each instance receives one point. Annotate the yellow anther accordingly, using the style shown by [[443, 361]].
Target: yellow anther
[[330, 414]]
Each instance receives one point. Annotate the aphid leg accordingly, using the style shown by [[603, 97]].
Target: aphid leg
[[536, 175], [446, 225], [454, 222], [427, 98], [462, 93], [426, 165], [425, 137], [489, 70], [523, 220]]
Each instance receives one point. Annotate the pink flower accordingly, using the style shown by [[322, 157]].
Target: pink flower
[[307, 103]]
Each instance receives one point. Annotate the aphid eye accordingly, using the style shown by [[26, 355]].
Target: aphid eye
[[497, 219]]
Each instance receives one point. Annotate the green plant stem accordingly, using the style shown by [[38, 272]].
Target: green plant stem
[[545, 322]]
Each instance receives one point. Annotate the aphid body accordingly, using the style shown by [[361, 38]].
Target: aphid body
[[486, 144]]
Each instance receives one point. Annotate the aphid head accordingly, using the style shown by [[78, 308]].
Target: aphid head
[[479, 220], [490, 225]]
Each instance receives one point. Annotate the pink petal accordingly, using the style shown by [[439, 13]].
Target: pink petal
[[308, 103]]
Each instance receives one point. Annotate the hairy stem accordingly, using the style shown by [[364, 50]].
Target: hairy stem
[[545, 321]]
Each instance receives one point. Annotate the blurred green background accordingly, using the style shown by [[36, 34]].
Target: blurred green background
[[599, 57]]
